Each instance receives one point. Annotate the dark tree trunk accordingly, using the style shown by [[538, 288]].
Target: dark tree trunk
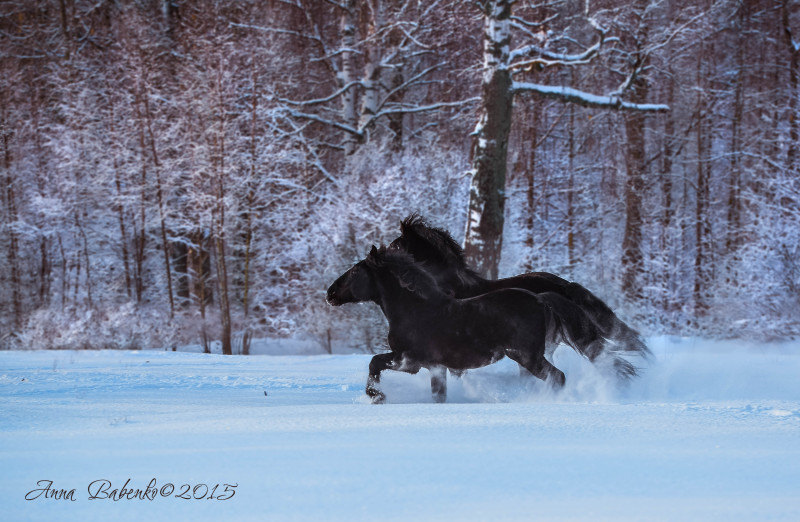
[[632, 259], [530, 146], [668, 210], [13, 239], [733, 236], [570, 190], [702, 227], [160, 200], [119, 207], [702, 231], [219, 236], [632, 256], [794, 75]]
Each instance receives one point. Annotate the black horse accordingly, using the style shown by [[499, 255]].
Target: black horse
[[429, 328], [444, 259]]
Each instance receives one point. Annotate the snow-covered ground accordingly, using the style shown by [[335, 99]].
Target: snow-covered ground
[[710, 432]]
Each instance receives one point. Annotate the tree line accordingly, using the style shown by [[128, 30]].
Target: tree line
[[181, 172]]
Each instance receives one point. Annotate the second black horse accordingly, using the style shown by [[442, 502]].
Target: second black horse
[[444, 259]]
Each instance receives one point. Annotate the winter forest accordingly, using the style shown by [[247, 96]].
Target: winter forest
[[187, 172]]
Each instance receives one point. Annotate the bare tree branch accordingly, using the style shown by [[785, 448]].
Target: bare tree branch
[[317, 101]]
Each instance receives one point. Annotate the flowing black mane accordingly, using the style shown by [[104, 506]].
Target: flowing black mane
[[436, 244], [409, 273]]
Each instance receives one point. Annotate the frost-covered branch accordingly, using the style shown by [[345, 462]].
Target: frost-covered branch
[[408, 83], [562, 58], [317, 101], [326, 121], [643, 57], [516, 21], [585, 99], [427, 108]]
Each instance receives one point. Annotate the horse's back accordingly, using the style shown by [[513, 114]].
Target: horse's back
[[536, 282], [512, 307]]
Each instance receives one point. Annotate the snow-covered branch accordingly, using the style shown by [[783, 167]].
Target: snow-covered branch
[[585, 99], [560, 58], [517, 22]]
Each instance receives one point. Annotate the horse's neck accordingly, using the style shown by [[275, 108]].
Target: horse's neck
[[469, 285], [399, 304]]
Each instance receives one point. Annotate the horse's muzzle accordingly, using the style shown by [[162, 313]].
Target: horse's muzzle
[[332, 299]]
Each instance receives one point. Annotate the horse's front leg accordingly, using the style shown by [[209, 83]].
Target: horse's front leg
[[386, 361], [438, 383], [380, 362]]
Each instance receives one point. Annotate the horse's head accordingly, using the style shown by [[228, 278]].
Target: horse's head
[[409, 275], [354, 286], [420, 240]]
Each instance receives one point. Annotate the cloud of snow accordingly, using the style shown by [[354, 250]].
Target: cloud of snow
[[681, 370]]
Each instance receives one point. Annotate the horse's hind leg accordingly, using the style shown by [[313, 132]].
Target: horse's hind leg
[[438, 383], [544, 370], [539, 367]]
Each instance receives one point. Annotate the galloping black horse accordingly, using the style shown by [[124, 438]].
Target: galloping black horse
[[429, 328], [444, 259]]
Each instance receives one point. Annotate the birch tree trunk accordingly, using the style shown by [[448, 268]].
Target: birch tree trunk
[[348, 71], [373, 70], [483, 239]]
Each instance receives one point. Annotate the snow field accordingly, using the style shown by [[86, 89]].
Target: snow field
[[709, 432]]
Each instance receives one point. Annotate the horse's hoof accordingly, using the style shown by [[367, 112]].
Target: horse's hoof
[[440, 398], [377, 396]]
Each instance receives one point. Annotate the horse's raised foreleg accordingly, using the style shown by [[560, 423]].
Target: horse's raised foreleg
[[438, 383], [386, 361], [378, 363]]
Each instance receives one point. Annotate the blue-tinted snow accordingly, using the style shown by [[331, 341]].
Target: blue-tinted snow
[[710, 432]]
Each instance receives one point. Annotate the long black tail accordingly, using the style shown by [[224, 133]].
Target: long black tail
[[568, 322], [625, 338]]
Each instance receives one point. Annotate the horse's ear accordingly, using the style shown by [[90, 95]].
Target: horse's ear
[[373, 251], [407, 228]]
